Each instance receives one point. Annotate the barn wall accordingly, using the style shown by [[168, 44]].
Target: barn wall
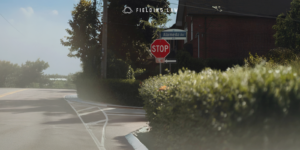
[[230, 36]]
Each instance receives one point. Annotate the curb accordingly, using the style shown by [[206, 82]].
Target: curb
[[75, 98], [135, 142]]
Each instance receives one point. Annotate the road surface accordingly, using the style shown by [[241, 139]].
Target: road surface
[[53, 119]]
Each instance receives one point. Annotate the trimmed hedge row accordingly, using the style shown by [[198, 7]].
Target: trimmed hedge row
[[278, 56], [239, 109], [115, 91], [184, 59]]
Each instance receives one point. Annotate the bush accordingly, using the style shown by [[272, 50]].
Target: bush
[[117, 69], [114, 91], [252, 61], [277, 56], [138, 72], [241, 108], [282, 56], [222, 64], [184, 59]]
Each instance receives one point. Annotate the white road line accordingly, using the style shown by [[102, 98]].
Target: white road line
[[88, 103], [108, 109], [96, 122], [103, 129], [89, 112], [75, 98], [100, 146], [124, 115], [86, 109]]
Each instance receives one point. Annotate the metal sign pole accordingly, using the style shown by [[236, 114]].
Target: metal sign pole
[[159, 68]]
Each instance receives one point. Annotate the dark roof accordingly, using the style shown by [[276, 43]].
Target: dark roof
[[258, 8]]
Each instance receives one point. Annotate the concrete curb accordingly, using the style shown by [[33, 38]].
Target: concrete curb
[[135, 142], [75, 98]]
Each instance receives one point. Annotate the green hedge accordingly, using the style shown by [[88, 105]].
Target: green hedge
[[184, 59], [282, 56], [239, 109], [114, 91], [277, 56]]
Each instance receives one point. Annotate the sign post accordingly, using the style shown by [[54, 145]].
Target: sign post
[[160, 48]]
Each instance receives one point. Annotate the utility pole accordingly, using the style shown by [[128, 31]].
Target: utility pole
[[104, 41]]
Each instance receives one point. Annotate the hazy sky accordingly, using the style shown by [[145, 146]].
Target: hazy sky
[[35, 32]]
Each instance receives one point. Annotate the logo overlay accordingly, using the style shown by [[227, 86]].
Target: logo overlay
[[128, 10]]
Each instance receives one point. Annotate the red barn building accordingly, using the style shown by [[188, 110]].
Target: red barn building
[[229, 28]]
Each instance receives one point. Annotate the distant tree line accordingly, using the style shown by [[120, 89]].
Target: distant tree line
[[14, 75], [31, 75]]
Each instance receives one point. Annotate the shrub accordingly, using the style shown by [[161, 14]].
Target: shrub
[[118, 69], [222, 64], [277, 56], [282, 56], [124, 91], [241, 108], [115, 91], [252, 61], [138, 72], [184, 59]]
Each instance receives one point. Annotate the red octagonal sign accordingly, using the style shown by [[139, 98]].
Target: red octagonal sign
[[160, 48]]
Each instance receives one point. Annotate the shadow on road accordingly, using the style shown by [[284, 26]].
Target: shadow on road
[[57, 108], [122, 141]]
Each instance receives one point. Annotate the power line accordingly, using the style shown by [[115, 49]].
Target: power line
[[10, 23]]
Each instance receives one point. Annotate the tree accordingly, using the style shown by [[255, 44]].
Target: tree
[[84, 37], [31, 72], [130, 35], [6, 69], [288, 28]]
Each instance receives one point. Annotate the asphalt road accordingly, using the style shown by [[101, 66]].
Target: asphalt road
[[51, 119]]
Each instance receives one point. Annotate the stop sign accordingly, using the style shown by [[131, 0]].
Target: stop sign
[[160, 48]]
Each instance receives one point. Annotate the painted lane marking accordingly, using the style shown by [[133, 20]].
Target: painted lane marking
[[124, 115], [89, 112], [96, 122], [75, 98], [81, 104], [108, 109], [85, 109], [98, 144], [5, 94], [101, 145], [86, 102], [103, 129]]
